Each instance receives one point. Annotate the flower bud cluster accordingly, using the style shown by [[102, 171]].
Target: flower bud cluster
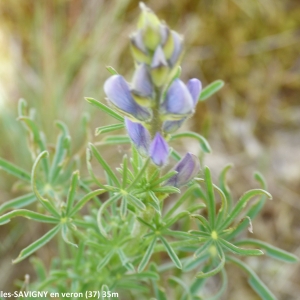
[[156, 102]]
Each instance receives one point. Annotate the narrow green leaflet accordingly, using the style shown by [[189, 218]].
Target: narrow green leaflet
[[101, 211], [203, 142], [37, 139], [270, 250], [37, 244], [147, 256], [84, 200], [115, 140], [45, 202], [203, 249], [105, 260], [29, 215], [108, 128], [223, 287], [210, 197], [180, 201], [236, 250], [64, 232], [171, 253], [139, 176], [241, 204], [18, 202], [136, 202], [14, 170], [213, 271], [104, 164], [62, 145], [72, 191], [104, 108], [255, 282], [223, 184], [211, 89]]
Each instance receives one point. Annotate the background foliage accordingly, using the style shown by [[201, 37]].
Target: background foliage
[[53, 53]]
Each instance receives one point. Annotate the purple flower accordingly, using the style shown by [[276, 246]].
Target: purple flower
[[194, 86], [187, 169], [117, 91], [159, 150], [178, 100], [139, 135]]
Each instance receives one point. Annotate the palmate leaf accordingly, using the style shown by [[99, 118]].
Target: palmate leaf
[[270, 250], [14, 170], [37, 244], [258, 286]]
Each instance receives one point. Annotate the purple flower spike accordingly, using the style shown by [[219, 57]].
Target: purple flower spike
[[139, 135], [117, 91], [194, 86], [178, 100], [187, 169], [159, 150], [141, 83]]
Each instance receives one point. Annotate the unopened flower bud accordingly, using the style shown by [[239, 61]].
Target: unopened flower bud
[[139, 135], [142, 89], [138, 49], [149, 24], [187, 168], [178, 48], [118, 93], [159, 150], [159, 67]]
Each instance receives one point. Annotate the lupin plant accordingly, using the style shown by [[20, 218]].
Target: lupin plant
[[156, 231]]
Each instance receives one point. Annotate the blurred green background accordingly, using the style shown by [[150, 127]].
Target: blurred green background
[[53, 53]]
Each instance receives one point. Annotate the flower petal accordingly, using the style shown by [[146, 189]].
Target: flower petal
[[139, 135], [178, 99], [117, 91], [187, 169], [159, 150], [141, 83], [194, 86]]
